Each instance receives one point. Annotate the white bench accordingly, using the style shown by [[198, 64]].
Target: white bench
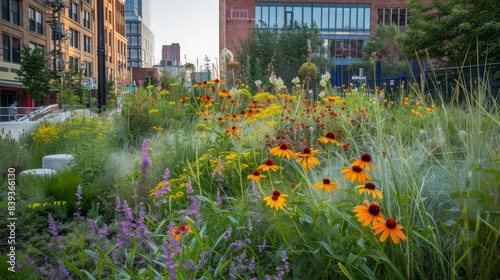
[[56, 162]]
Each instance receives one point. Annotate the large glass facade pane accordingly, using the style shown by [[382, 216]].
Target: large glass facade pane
[[316, 17], [265, 17], [258, 16], [367, 18], [297, 13], [272, 17], [338, 18], [280, 17], [353, 24], [307, 16], [361, 17], [333, 17], [347, 22], [325, 16]]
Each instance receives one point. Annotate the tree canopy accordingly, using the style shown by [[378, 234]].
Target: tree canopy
[[34, 73], [286, 49], [454, 31]]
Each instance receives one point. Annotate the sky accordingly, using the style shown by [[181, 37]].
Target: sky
[[194, 24]]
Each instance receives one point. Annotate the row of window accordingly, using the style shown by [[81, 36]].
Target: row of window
[[324, 16], [12, 48], [397, 16]]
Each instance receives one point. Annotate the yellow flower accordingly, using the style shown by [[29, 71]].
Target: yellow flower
[[276, 200], [256, 176], [307, 158], [330, 138], [369, 213], [282, 151], [370, 188], [355, 172], [365, 162], [327, 185], [389, 227], [269, 165]]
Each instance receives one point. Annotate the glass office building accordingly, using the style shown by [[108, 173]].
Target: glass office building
[[344, 27]]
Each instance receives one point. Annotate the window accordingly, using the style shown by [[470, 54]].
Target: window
[[239, 13], [87, 1], [87, 44], [10, 11], [36, 21], [74, 41], [73, 11], [11, 49], [393, 16], [87, 69], [36, 46], [74, 64], [86, 19]]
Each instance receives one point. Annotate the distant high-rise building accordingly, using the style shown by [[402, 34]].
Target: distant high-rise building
[[171, 54], [141, 39]]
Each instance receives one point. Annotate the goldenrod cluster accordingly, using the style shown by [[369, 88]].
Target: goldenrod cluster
[[55, 203], [45, 133]]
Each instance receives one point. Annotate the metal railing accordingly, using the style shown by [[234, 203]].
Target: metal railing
[[27, 113]]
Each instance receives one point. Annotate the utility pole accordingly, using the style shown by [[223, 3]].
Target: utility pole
[[101, 56]]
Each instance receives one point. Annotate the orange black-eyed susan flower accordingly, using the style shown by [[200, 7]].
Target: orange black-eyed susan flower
[[233, 117], [330, 138], [233, 131], [370, 188], [177, 231], [276, 200], [221, 121], [365, 162], [327, 185], [354, 173], [282, 151], [256, 176], [389, 228], [224, 93], [307, 159], [269, 165], [369, 213]]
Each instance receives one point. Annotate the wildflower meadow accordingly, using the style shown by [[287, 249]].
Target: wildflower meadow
[[263, 180]]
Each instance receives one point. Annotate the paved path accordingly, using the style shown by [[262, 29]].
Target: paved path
[[15, 129]]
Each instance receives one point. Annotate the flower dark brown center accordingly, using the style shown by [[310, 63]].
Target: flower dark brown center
[[256, 173], [276, 193], [307, 150], [269, 162], [391, 223], [357, 169], [326, 181], [370, 186], [366, 158], [183, 228], [374, 209], [330, 135], [284, 146], [274, 197]]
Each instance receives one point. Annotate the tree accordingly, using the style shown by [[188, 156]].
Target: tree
[[34, 73], [382, 46], [455, 32], [207, 67], [283, 51]]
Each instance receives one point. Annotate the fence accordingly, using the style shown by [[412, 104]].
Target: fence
[[27, 113]]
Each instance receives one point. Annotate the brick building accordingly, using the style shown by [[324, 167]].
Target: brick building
[[67, 31], [171, 54], [345, 25]]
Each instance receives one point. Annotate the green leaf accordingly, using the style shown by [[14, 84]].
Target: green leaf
[[344, 270]]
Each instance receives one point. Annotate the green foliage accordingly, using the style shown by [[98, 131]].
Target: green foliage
[[459, 32], [284, 51], [384, 47], [62, 187], [71, 90], [309, 73], [34, 73]]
